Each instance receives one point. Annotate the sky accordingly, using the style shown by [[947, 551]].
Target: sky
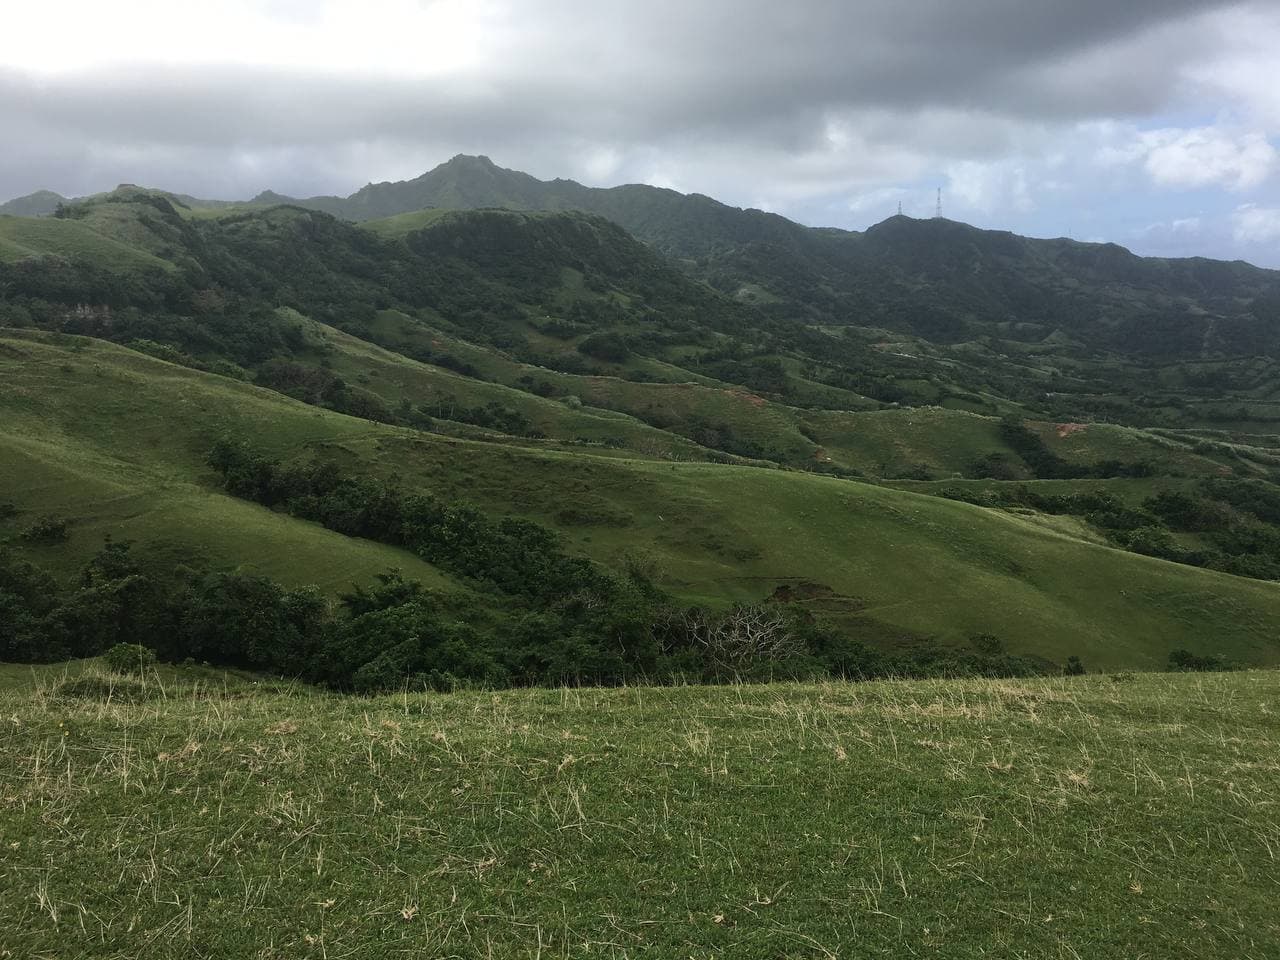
[[1151, 124]]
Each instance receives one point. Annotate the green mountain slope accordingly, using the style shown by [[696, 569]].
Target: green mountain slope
[[24, 238], [990, 321], [42, 203], [519, 297], [94, 432], [559, 331], [938, 278], [115, 442], [684, 226]]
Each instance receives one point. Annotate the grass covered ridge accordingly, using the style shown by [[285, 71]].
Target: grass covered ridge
[[115, 441], [1088, 817]]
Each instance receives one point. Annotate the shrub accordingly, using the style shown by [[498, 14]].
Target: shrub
[[1074, 667], [129, 658], [46, 529], [987, 645], [1184, 661], [225, 368], [745, 640], [609, 347]]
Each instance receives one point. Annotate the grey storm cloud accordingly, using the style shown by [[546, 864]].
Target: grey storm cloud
[[754, 56], [661, 66]]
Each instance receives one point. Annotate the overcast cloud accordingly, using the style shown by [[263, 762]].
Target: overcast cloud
[[1153, 124]]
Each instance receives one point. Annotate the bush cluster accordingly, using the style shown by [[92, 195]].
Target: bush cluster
[[607, 630], [1237, 520], [1043, 463], [129, 658]]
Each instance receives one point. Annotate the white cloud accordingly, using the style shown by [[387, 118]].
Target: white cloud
[[829, 115], [599, 164], [1243, 73], [885, 201], [334, 36], [1182, 227], [987, 187], [1190, 157], [1252, 224], [1207, 156]]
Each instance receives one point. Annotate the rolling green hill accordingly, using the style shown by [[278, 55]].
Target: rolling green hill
[[1083, 322], [42, 203], [392, 575], [115, 442], [547, 366], [937, 278], [30, 237]]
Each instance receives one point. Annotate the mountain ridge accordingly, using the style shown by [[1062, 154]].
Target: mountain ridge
[[446, 186]]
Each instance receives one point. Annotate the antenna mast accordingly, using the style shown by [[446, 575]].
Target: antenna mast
[[899, 208], [937, 211]]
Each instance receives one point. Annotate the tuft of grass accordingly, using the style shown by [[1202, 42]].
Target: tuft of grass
[[1065, 817]]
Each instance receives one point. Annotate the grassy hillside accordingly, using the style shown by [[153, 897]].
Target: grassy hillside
[[22, 237], [877, 442], [1101, 817], [993, 322], [115, 441], [448, 396], [947, 443], [549, 367], [1104, 333], [39, 204]]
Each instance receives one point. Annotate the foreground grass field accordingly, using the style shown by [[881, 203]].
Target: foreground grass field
[[1090, 817]]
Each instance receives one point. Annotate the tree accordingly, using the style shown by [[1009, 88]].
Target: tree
[[746, 637], [609, 347]]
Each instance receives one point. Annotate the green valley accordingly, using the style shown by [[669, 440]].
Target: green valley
[[469, 397]]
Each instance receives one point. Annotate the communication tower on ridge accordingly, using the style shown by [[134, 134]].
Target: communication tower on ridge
[[937, 211]]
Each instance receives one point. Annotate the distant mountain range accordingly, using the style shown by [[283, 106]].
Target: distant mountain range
[[939, 279], [683, 225]]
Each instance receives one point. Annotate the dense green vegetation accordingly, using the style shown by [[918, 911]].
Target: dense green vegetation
[[118, 442], [1235, 523], [580, 453], [595, 629], [188, 812], [548, 617], [937, 279]]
